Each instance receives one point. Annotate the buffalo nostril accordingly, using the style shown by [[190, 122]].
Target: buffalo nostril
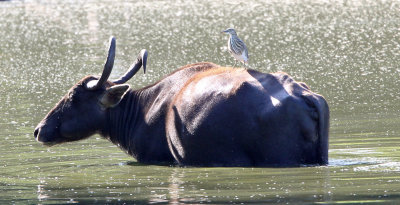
[[36, 132]]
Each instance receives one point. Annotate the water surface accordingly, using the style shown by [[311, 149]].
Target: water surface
[[348, 51]]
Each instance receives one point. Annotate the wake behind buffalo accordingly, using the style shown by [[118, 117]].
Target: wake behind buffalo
[[200, 115]]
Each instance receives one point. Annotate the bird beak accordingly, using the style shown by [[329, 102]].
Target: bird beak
[[223, 31]]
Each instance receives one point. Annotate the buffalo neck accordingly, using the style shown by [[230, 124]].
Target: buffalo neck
[[122, 120], [136, 129]]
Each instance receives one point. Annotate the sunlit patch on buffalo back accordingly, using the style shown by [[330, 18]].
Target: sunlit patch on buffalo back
[[228, 81], [193, 82], [275, 102], [290, 84], [184, 72], [277, 92], [278, 96], [203, 88], [210, 72]]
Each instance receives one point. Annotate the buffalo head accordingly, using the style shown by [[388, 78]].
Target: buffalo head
[[82, 111]]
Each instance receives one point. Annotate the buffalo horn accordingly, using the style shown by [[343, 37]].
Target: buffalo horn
[[108, 66], [141, 60]]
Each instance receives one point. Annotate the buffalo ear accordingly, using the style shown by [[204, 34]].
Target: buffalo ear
[[113, 95]]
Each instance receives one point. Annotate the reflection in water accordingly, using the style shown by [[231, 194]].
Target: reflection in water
[[41, 191], [175, 189], [175, 182]]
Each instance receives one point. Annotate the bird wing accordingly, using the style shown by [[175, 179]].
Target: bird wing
[[238, 46]]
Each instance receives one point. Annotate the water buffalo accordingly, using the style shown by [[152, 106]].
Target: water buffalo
[[200, 115]]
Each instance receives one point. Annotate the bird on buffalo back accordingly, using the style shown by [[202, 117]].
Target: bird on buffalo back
[[237, 47]]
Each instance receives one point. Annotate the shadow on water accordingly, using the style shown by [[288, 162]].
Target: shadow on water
[[138, 164], [133, 164]]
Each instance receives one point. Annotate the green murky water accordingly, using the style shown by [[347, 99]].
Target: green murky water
[[349, 51]]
